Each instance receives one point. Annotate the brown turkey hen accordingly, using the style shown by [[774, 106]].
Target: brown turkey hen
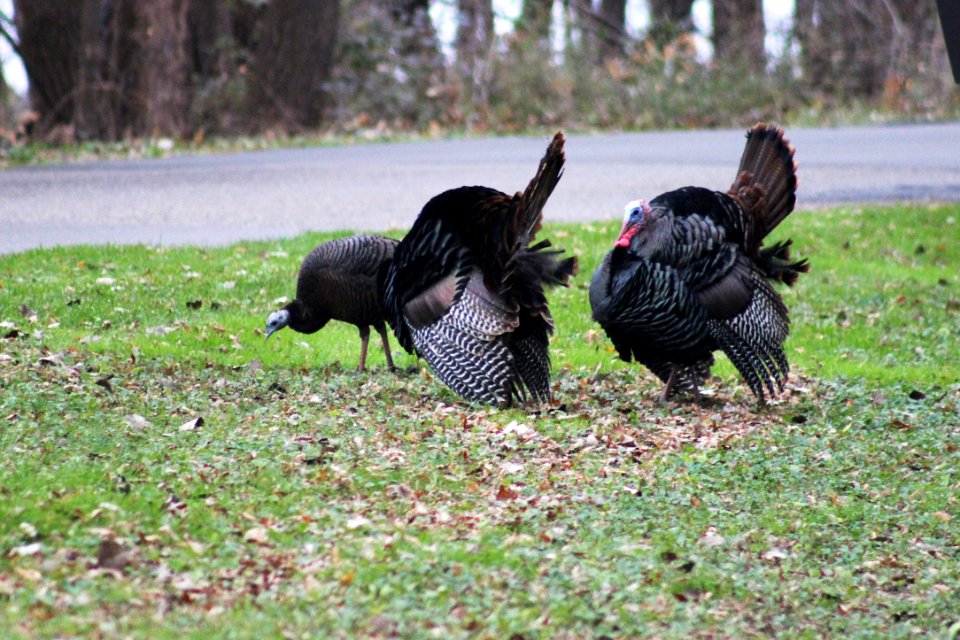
[[338, 281], [688, 275], [465, 290]]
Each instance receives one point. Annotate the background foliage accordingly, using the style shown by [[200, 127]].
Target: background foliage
[[187, 69]]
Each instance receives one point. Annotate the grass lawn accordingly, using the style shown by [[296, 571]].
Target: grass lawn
[[166, 473]]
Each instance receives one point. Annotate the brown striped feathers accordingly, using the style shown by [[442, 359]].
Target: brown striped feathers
[[338, 281]]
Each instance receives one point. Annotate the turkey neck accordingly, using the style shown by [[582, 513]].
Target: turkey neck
[[302, 320]]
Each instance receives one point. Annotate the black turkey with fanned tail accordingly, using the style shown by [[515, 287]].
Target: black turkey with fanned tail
[[465, 288], [338, 281], [688, 275]]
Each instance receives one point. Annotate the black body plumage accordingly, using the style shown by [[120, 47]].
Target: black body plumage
[[465, 289], [689, 275], [338, 281]]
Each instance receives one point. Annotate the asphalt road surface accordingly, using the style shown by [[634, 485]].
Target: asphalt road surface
[[217, 199]]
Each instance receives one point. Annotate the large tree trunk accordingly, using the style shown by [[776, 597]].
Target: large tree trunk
[[738, 33], [163, 67], [102, 69], [49, 32], [94, 117], [292, 60]]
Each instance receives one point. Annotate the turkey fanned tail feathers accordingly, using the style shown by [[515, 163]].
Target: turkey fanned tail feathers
[[689, 275], [465, 291]]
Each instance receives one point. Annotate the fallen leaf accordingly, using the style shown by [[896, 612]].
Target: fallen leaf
[[30, 575], [257, 535], [51, 360], [105, 383], [196, 547], [711, 538], [113, 555], [137, 422], [522, 431], [192, 425], [775, 553], [506, 493], [356, 522], [31, 549], [511, 467], [175, 505]]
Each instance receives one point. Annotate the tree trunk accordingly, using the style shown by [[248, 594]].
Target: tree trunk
[[670, 19], [814, 50], [473, 44], [49, 32], [474, 31], [534, 22], [210, 25], [612, 27], [738, 33], [409, 12], [292, 60], [93, 117], [856, 48], [164, 72]]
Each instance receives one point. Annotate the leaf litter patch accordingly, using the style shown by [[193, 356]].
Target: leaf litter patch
[[369, 468]]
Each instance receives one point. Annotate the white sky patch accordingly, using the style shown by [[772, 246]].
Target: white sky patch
[[13, 71]]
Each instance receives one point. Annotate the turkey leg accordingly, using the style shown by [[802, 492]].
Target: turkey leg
[[386, 346], [364, 342]]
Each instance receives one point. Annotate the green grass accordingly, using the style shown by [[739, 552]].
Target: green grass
[[317, 502]]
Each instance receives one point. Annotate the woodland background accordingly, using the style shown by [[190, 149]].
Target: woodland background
[[187, 69]]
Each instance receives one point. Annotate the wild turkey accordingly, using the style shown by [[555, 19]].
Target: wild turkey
[[688, 275], [465, 289], [338, 281]]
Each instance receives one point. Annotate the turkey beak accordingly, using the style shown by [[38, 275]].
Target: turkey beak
[[626, 235], [270, 332], [633, 214]]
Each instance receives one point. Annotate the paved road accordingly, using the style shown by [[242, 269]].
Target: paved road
[[217, 199]]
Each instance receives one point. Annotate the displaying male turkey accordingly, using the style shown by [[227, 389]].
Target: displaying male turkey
[[465, 289], [688, 275], [338, 281]]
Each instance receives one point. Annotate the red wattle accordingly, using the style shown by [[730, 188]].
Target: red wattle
[[625, 236]]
